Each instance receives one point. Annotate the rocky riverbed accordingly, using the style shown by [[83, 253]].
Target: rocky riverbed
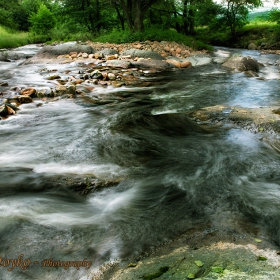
[[162, 161]]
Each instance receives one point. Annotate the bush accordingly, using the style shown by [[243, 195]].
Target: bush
[[43, 21]]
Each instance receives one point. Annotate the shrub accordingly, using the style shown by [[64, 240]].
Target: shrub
[[43, 21]]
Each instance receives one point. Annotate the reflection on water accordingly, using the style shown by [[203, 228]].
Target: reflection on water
[[174, 174]]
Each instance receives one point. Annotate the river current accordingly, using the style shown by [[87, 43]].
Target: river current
[[173, 174]]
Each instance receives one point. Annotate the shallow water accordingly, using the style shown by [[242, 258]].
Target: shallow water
[[174, 174]]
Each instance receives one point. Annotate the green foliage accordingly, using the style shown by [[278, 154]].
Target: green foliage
[[43, 21], [152, 34], [231, 14], [258, 16], [274, 15]]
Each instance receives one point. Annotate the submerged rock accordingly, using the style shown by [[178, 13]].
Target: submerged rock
[[7, 109], [22, 99], [29, 92], [65, 89]]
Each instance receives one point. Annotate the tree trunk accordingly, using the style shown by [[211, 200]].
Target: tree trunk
[[127, 10], [120, 16], [138, 17], [185, 18]]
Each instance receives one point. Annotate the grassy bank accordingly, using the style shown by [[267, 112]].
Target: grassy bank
[[265, 34], [153, 34], [10, 38]]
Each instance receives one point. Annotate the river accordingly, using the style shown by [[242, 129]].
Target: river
[[173, 174]]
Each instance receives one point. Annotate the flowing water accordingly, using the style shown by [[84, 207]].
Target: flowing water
[[174, 174]]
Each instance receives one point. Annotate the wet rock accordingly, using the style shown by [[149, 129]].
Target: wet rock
[[117, 84], [174, 62], [180, 64], [111, 76], [252, 46], [142, 53], [7, 56], [29, 92], [50, 52], [65, 89], [155, 64], [112, 57], [96, 75], [73, 54], [45, 92], [7, 109], [98, 55], [53, 77], [201, 255], [276, 111], [108, 52], [118, 64], [200, 60], [23, 99], [3, 57], [186, 64], [3, 84], [242, 63], [251, 73]]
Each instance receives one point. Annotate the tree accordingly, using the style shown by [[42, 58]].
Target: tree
[[43, 21], [134, 12], [7, 9], [235, 12]]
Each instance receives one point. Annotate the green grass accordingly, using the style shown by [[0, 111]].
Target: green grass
[[255, 24], [11, 39]]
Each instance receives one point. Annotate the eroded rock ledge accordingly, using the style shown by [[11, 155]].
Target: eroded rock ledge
[[201, 254], [262, 119]]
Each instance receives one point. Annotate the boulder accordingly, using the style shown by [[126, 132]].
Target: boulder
[[3, 57], [118, 63], [200, 60], [23, 99], [96, 74], [7, 56], [242, 63], [65, 89], [108, 52], [174, 62], [111, 76], [7, 109], [179, 64], [155, 64], [252, 46], [186, 64], [142, 53], [29, 92], [45, 92], [50, 52]]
